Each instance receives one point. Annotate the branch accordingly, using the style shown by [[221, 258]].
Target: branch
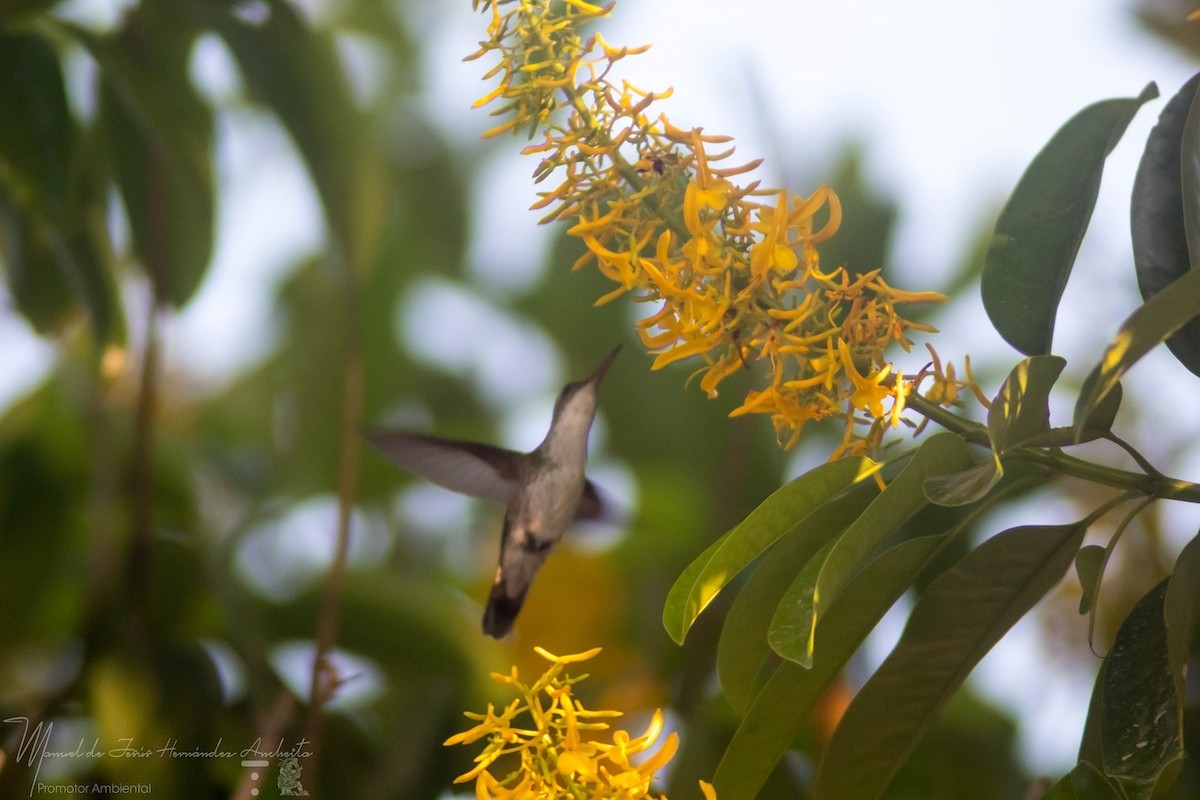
[[324, 679]]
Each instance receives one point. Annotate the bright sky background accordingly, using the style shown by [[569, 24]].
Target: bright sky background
[[951, 98]]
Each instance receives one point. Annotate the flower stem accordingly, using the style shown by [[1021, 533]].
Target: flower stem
[[1149, 484]]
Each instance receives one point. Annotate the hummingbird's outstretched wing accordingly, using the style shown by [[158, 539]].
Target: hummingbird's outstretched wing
[[478, 470]]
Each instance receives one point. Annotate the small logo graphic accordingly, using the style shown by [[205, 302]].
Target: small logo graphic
[[254, 776], [289, 778]]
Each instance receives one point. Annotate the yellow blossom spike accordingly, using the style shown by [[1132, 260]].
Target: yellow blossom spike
[[735, 266]]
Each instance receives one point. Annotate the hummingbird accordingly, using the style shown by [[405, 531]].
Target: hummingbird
[[543, 491]]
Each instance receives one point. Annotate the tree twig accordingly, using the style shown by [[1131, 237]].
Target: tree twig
[[324, 680]]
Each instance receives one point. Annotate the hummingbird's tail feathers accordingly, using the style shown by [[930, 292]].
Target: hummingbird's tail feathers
[[501, 611], [470, 468]]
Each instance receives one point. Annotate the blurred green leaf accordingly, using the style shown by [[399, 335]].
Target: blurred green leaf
[[730, 554], [51, 259], [1088, 564], [160, 134], [15, 10], [743, 646], [782, 708], [1085, 782], [1142, 728], [794, 626], [36, 128], [868, 216], [1164, 210], [1021, 410], [37, 285], [1151, 323], [1100, 418], [955, 622], [1039, 231], [295, 70], [46, 456]]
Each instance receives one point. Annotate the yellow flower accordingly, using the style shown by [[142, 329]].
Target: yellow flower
[[558, 752], [735, 267], [868, 392]]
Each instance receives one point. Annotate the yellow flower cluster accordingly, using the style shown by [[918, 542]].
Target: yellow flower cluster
[[733, 269], [549, 735]]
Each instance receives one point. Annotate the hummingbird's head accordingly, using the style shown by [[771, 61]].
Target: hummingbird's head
[[577, 401]]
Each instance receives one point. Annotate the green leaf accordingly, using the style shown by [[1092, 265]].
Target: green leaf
[[160, 132], [1164, 209], [963, 488], [1039, 231], [1142, 723], [1151, 323], [14, 10], [726, 557], [792, 630], [1182, 610], [36, 128], [1021, 410], [782, 708], [51, 260], [296, 71], [1098, 420], [37, 285], [1089, 562], [794, 625], [955, 622], [49, 208], [743, 648], [1085, 782], [1091, 748]]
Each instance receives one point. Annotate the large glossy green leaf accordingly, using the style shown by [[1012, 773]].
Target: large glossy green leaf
[[781, 709], [1021, 410], [1084, 782], [1151, 323], [730, 554], [794, 624], [295, 70], [1165, 207], [160, 134], [742, 649], [956, 621], [1091, 749], [1039, 231], [1142, 721], [1182, 610]]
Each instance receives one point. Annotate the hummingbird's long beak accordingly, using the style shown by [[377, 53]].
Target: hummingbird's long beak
[[596, 376]]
